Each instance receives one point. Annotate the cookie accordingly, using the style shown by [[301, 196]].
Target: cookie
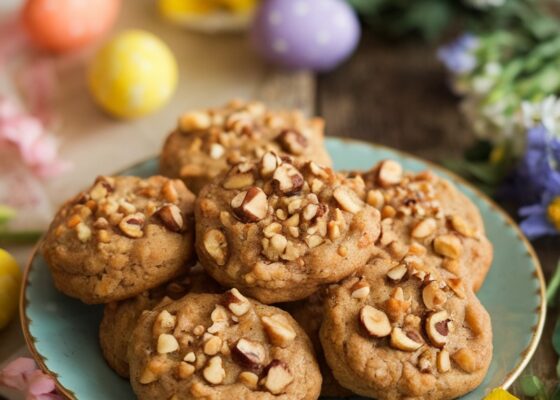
[[308, 313], [221, 347], [122, 236], [120, 318], [278, 228], [205, 141], [429, 213], [420, 335]]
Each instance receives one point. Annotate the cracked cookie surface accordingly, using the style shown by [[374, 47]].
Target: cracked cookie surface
[[277, 228], [207, 141], [122, 236], [221, 347]]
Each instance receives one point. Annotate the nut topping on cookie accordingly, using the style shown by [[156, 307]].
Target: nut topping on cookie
[[185, 370], [405, 341], [238, 180], [396, 274], [172, 217], [347, 199], [249, 379], [360, 290], [448, 246], [167, 343], [212, 346], [132, 225], [390, 173], [250, 206], [249, 354], [443, 361], [215, 244], [424, 228], [278, 377], [375, 321], [214, 372], [292, 141], [194, 121], [432, 296], [279, 330], [165, 322], [437, 328], [456, 284], [460, 225], [236, 302], [466, 359], [287, 180], [268, 164]]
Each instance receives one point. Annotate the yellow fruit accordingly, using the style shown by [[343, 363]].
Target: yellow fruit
[[500, 394], [10, 282], [133, 75]]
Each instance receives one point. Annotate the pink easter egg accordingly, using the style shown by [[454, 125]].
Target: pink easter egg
[[65, 25]]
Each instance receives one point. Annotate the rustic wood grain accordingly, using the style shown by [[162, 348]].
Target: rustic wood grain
[[395, 94]]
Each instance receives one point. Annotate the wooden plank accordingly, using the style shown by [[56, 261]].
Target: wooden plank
[[396, 94]]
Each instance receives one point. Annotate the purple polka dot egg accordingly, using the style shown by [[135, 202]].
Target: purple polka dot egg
[[305, 34]]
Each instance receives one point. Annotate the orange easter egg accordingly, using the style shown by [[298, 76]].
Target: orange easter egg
[[65, 25]]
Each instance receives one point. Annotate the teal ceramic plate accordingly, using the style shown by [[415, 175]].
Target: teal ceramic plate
[[62, 332]]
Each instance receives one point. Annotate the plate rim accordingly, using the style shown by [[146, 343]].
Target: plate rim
[[510, 377]]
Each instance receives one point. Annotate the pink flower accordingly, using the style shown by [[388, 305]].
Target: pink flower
[[37, 148], [22, 374]]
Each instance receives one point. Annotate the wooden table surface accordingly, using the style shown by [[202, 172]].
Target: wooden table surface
[[396, 94]]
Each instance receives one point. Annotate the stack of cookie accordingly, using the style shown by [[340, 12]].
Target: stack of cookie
[[379, 269]]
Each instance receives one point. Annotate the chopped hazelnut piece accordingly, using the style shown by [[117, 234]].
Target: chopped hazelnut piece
[[73, 221], [194, 121], [236, 302], [405, 341], [396, 274], [278, 377], [156, 367], [84, 232], [424, 228], [169, 191], [237, 180], [287, 180], [216, 246], [185, 370], [432, 296], [466, 360], [190, 357], [279, 330], [437, 328], [456, 284], [292, 141], [216, 151], [269, 163], [390, 173], [172, 217], [448, 246], [375, 321], [443, 361], [167, 343], [212, 346], [133, 225], [360, 290], [249, 379], [460, 225], [347, 199], [219, 314], [249, 354], [214, 372], [251, 205], [165, 322], [375, 199]]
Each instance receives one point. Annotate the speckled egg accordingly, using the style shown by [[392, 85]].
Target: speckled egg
[[310, 34], [134, 74], [65, 25]]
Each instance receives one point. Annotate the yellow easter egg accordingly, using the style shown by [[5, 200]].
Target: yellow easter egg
[[133, 75], [239, 5], [500, 394], [10, 281]]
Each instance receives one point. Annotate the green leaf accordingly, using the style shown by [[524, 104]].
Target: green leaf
[[556, 393], [531, 386], [19, 237], [6, 214], [552, 290], [556, 337], [558, 375]]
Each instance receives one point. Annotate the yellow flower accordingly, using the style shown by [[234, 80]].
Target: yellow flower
[[497, 154], [500, 394], [10, 281], [553, 212]]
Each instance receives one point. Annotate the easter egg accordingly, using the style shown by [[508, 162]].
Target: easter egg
[[310, 34], [134, 74], [64, 25], [10, 282]]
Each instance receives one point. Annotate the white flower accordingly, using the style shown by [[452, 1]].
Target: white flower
[[484, 4], [545, 112]]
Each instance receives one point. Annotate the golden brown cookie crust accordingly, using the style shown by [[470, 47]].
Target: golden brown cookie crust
[[205, 141], [278, 229], [122, 236], [221, 347]]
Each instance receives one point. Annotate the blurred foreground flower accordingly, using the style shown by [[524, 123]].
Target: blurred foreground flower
[[10, 282], [500, 394], [459, 56], [484, 4], [22, 374]]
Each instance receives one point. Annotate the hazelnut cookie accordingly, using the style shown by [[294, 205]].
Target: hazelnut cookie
[[421, 334], [278, 228], [221, 347], [122, 236], [206, 141], [120, 318], [424, 213]]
